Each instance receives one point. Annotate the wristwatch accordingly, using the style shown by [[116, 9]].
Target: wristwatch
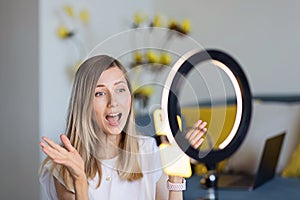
[[176, 186]]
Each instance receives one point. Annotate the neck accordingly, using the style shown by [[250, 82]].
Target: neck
[[108, 147]]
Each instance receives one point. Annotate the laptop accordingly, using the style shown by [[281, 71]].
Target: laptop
[[266, 170]]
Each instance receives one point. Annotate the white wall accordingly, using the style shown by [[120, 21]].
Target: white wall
[[262, 35], [19, 151]]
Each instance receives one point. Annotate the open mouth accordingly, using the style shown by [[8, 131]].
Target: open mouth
[[114, 118]]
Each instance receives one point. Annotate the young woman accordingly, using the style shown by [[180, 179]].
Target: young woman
[[101, 156]]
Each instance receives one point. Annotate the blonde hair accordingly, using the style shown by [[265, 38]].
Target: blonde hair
[[81, 128]]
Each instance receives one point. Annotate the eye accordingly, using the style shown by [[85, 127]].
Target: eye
[[120, 90], [98, 94]]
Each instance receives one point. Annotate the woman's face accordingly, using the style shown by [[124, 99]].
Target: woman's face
[[112, 101]]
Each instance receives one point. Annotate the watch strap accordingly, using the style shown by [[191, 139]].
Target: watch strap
[[176, 186]]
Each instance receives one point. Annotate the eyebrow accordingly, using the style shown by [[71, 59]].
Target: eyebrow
[[116, 83]]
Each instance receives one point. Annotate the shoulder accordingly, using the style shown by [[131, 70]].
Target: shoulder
[[147, 144], [47, 181], [47, 178]]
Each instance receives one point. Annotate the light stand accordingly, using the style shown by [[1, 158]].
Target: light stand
[[209, 181]]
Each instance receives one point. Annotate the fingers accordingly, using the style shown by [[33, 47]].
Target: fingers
[[195, 135], [52, 144], [53, 150], [49, 151], [198, 143], [194, 127], [66, 142]]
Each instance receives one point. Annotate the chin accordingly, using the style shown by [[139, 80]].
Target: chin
[[114, 131]]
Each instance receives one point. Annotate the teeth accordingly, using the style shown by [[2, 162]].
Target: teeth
[[113, 115]]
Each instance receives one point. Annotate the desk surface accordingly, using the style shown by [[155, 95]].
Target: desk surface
[[277, 188]]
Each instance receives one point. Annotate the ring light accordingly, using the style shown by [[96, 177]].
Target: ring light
[[170, 104]]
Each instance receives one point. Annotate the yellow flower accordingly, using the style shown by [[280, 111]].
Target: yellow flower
[[138, 57], [145, 91], [156, 21], [138, 18], [172, 24], [152, 57], [69, 10], [165, 59], [84, 15], [186, 26], [73, 69], [62, 32]]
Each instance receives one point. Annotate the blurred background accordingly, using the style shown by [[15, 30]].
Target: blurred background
[[41, 41]]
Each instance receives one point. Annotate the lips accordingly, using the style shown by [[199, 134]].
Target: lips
[[114, 118]]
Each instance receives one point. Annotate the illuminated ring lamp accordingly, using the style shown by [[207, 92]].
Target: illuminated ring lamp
[[170, 106]]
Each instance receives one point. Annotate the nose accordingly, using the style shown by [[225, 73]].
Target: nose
[[112, 100]]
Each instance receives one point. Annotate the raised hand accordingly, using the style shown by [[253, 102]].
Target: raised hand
[[195, 134], [67, 156]]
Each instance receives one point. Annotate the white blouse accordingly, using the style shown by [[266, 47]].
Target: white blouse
[[112, 187]]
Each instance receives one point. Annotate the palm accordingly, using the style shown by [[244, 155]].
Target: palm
[[67, 156]]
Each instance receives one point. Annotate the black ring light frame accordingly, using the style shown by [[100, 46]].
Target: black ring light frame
[[170, 103]]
